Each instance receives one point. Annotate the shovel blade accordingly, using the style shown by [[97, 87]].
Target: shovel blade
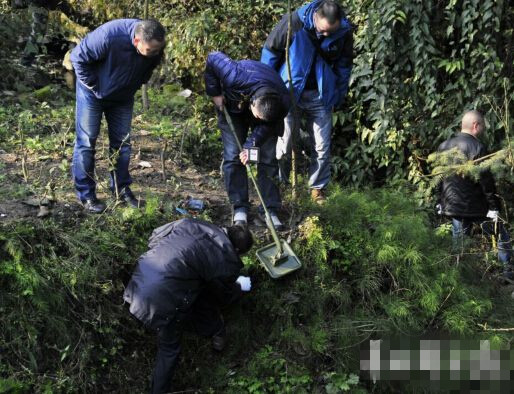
[[278, 265]]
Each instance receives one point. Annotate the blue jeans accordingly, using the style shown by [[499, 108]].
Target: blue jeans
[[462, 226], [319, 127], [88, 116], [234, 172]]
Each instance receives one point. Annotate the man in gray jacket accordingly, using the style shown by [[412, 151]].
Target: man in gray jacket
[[190, 271]]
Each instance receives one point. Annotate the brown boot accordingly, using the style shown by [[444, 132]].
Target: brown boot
[[318, 196]]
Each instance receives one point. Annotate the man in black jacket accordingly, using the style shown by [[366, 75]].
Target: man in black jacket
[[190, 271], [466, 201]]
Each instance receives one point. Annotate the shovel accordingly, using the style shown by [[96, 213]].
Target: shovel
[[278, 258]]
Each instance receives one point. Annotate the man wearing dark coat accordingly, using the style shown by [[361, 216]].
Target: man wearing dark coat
[[256, 98], [467, 201], [190, 270]]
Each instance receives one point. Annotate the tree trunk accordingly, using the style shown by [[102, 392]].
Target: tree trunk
[[293, 102]]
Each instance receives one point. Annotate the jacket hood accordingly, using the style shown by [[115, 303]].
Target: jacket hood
[[306, 14]]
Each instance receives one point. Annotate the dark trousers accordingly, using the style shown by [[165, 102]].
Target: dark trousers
[[204, 318], [234, 172]]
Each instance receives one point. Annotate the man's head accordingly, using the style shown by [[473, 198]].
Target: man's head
[[149, 37], [241, 238], [327, 17], [267, 107], [472, 123]]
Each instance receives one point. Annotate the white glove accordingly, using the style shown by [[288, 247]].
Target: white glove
[[439, 209], [244, 282], [492, 215]]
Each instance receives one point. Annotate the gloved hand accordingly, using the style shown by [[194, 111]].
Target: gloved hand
[[439, 209], [492, 215], [244, 282]]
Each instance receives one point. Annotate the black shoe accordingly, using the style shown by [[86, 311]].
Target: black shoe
[[128, 198], [241, 223], [93, 205]]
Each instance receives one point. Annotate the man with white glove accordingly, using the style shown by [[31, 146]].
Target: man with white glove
[[467, 201], [190, 271]]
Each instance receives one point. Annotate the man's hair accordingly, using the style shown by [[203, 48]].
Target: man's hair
[[469, 118], [331, 11], [270, 107], [241, 238], [150, 29]]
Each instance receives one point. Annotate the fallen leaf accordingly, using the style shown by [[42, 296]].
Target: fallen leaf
[[43, 211], [291, 298], [185, 93], [144, 164]]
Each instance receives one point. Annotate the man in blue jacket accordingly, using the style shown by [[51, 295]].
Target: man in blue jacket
[[321, 63], [255, 97], [111, 64]]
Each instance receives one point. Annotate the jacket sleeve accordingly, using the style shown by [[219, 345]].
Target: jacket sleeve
[[224, 290], [343, 68], [489, 190], [488, 186], [92, 49], [221, 71], [273, 52]]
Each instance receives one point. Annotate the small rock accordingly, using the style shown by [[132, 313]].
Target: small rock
[[32, 201]]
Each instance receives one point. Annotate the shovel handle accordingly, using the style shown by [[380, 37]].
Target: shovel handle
[[269, 222]]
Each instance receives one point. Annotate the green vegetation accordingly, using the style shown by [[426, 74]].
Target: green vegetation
[[373, 265]]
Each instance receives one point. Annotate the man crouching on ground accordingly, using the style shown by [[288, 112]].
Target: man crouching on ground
[[190, 271]]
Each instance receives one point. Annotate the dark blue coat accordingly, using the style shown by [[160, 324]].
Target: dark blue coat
[[186, 257], [107, 62], [332, 60], [238, 81]]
